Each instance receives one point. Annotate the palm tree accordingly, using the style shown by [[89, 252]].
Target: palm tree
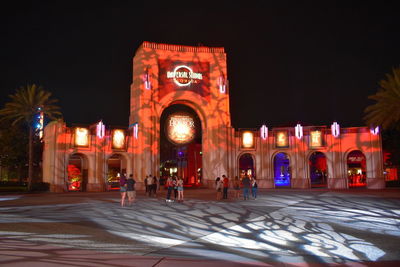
[[386, 110], [25, 105]]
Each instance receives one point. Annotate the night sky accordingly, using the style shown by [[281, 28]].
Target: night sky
[[311, 62]]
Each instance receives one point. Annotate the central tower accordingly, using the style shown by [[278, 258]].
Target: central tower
[[167, 77]]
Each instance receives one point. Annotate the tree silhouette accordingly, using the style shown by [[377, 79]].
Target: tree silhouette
[[25, 105], [386, 111]]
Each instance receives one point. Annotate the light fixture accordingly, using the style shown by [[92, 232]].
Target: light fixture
[[375, 131], [146, 80], [299, 131], [335, 129], [100, 129], [222, 84], [264, 132]]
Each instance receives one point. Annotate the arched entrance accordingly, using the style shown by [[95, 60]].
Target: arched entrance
[[116, 166], [246, 165], [282, 170], [356, 169], [181, 144], [77, 172], [318, 169]]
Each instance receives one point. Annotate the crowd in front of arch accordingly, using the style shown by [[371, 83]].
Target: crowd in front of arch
[[175, 186]]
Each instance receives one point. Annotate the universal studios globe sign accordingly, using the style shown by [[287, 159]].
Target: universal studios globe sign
[[180, 128]]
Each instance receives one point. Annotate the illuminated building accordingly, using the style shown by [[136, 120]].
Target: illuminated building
[[180, 125]]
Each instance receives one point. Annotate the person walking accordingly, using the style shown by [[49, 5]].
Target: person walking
[[170, 186], [225, 182], [236, 187], [246, 187], [180, 189], [122, 189], [254, 187], [130, 189]]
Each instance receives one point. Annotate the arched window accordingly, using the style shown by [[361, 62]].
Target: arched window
[[356, 169], [318, 169], [282, 169], [246, 165]]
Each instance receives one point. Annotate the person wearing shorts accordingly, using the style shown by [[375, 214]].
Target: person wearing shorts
[[180, 189], [122, 189], [130, 189]]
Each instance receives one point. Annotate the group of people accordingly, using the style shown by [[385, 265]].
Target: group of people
[[174, 184], [127, 189], [152, 185], [247, 184]]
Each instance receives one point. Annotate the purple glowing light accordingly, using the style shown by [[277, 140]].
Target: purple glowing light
[[375, 131]]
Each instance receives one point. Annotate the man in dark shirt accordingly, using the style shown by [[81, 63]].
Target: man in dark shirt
[[225, 181], [130, 189], [246, 187]]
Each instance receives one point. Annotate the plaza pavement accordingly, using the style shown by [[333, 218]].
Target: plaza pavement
[[280, 228]]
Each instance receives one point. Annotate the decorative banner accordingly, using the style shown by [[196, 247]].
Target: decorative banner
[[282, 139], [81, 137], [183, 76], [247, 139], [316, 139], [180, 128], [118, 139]]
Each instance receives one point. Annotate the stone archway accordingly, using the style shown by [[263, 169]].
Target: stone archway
[[318, 169], [77, 172], [181, 144], [116, 166], [356, 169], [246, 165], [282, 171]]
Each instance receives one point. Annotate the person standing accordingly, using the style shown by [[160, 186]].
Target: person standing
[[154, 186], [175, 185], [122, 189], [180, 189], [149, 184], [130, 189], [254, 187], [225, 182], [246, 187], [170, 186]]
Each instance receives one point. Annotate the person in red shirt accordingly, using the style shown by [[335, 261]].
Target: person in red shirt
[[225, 180]]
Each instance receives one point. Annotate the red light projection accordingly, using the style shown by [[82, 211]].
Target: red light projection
[[180, 128], [179, 75]]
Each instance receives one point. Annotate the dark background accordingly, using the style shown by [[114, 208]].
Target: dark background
[[311, 62]]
